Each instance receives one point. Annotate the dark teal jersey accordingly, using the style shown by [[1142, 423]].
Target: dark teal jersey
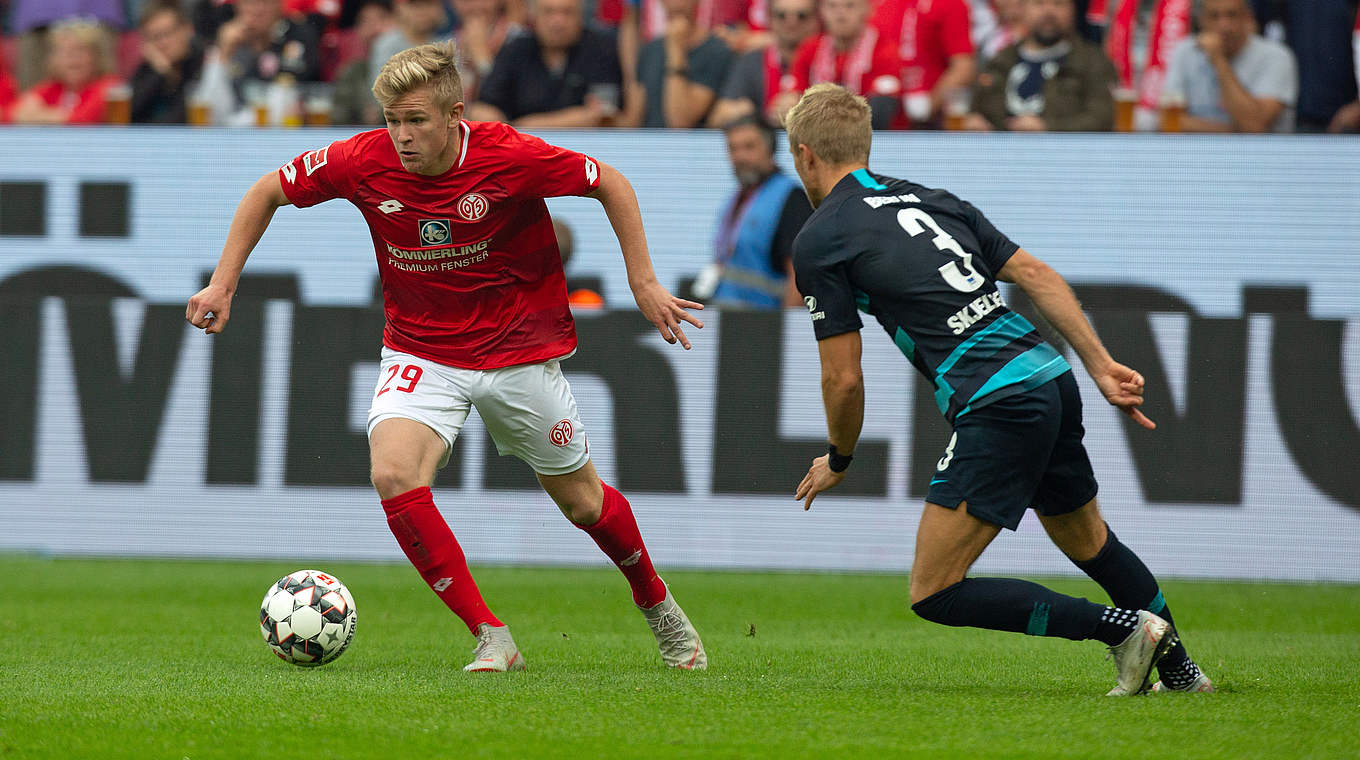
[[924, 263]]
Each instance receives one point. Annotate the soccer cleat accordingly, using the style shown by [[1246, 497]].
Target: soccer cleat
[[675, 635], [496, 651], [1135, 658], [1201, 685]]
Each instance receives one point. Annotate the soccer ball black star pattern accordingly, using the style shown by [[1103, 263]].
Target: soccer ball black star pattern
[[308, 618]]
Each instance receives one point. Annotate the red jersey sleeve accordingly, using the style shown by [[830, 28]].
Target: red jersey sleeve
[[537, 169], [955, 36], [318, 175]]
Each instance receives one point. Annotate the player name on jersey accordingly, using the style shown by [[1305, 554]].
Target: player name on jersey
[[974, 312]]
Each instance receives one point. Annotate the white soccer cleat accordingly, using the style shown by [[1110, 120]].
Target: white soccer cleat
[[1135, 658], [1201, 685], [496, 651], [675, 635]]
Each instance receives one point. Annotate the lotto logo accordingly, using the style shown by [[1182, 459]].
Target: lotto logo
[[441, 584], [592, 171], [473, 206], [561, 433]]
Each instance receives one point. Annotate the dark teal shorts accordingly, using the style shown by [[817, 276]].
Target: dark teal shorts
[[1016, 453]]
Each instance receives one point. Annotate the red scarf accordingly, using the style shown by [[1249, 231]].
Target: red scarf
[[777, 77], [1170, 24], [858, 60], [1119, 42]]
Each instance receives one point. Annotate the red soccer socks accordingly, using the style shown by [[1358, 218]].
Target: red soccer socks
[[617, 535], [431, 547]]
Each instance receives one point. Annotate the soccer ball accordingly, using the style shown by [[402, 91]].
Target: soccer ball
[[308, 618]]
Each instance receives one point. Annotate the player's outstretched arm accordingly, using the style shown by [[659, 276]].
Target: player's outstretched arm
[[1121, 385], [210, 308], [843, 396], [656, 303]]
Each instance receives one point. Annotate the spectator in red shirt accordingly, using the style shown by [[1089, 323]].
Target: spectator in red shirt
[[79, 63], [936, 48], [756, 77], [850, 52]]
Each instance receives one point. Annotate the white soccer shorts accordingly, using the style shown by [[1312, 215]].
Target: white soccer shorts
[[528, 408]]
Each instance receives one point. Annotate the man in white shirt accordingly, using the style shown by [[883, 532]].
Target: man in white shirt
[[1231, 79]]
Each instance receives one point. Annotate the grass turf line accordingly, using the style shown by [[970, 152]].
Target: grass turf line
[[109, 658]]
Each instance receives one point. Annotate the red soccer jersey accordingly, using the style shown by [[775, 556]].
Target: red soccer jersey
[[470, 269], [927, 33]]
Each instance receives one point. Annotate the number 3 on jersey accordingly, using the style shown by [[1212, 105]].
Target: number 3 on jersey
[[915, 221]]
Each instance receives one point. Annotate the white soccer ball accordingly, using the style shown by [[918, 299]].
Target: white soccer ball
[[308, 618]]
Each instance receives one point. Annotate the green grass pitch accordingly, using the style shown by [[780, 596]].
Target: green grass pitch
[[161, 659]]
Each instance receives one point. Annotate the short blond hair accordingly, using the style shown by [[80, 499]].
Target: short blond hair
[[833, 122], [435, 64], [90, 34]]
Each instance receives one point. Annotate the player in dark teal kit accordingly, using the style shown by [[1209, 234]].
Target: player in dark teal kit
[[926, 265]]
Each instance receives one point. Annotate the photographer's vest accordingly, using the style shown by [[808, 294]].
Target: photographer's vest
[[749, 278]]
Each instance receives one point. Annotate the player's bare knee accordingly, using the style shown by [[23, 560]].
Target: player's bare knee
[[394, 478], [582, 513]]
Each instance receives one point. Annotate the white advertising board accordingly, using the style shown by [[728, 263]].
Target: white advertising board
[[1224, 268]]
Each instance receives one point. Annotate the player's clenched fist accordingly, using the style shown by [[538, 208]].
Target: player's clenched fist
[[209, 309]]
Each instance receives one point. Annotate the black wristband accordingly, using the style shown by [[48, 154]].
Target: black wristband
[[837, 461]]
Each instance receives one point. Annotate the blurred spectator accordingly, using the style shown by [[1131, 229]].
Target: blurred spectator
[[759, 75], [417, 23], [1009, 29], [752, 266], [260, 43], [353, 101], [562, 75], [935, 45], [30, 20], [484, 26], [79, 62], [1230, 78], [171, 59], [852, 53], [1053, 80], [678, 74], [1319, 34], [258, 47]]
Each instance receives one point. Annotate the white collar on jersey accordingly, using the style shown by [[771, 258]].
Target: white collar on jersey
[[462, 153]]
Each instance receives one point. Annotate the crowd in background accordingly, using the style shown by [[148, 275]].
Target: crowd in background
[[1023, 65]]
